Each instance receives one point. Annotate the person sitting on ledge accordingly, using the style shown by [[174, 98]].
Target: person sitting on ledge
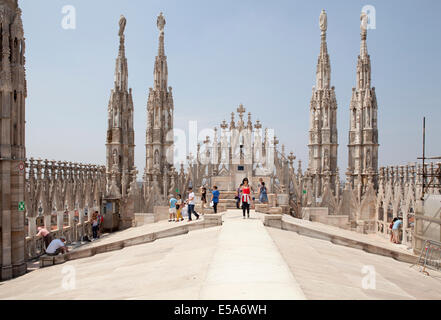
[[57, 246]]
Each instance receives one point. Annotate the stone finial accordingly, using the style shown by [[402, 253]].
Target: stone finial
[[291, 158], [232, 123], [250, 123], [258, 125]]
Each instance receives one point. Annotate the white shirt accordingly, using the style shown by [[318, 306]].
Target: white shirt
[[191, 198], [54, 245]]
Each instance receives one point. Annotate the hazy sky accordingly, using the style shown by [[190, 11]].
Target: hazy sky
[[223, 53]]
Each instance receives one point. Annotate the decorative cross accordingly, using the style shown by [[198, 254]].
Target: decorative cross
[[241, 110], [224, 125]]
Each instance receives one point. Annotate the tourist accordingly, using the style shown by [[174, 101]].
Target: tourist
[[245, 198], [203, 197], [100, 223], [263, 195], [57, 246], [179, 209], [260, 183], [172, 209], [396, 230], [215, 198], [43, 232], [190, 203], [238, 193], [95, 225], [390, 227]]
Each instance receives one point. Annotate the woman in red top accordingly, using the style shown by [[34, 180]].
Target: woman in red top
[[246, 197]]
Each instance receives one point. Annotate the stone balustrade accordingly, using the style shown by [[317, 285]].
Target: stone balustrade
[[61, 196]]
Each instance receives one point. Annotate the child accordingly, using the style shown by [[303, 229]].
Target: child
[[179, 209], [172, 209]]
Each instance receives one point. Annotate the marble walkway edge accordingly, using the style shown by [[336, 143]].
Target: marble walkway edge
[[92, 249], [339, 237]]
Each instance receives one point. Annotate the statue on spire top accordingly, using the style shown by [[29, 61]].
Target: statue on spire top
[[161, 22], [323, 21], [122, 25], [364, 21]]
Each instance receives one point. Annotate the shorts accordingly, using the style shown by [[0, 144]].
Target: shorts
[[172, 210]]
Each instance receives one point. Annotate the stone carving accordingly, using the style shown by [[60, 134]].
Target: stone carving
[[323, 21], [122, 25], [364, 21], [161, 22], [115, 158], [368, 160]]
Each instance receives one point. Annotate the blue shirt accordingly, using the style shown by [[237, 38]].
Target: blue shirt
[[215, 196], [173, 203], [397, 224]]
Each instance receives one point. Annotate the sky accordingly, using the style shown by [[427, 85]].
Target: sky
[[260, 53]]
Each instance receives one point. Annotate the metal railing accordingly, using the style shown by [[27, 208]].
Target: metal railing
[[430, 256]]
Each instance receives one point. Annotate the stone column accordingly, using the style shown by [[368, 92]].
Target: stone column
[[60, 218]]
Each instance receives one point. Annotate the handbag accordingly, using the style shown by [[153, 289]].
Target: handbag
[[211, 204]]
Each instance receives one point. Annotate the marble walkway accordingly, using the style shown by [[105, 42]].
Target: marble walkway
[[240, 260]]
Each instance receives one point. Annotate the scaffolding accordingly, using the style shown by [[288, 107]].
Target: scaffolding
[[431, 177]]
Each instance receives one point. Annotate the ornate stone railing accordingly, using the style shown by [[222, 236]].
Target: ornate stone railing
[[61, 197], [400, 187]]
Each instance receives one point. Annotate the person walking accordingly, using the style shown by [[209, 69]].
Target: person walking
[[238, 194], [191, 204], [95, 225], [246, 197], [172, 208], [100, 224], [203, 197], [215, 198], [179, 209], [263, 194]]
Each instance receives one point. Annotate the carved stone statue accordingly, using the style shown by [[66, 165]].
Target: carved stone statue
[[161, 22], [122, 25], [326, 118], [323, 21], [115, 157], [368, 159], [364, 21], [156, 160], [326, 160]]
